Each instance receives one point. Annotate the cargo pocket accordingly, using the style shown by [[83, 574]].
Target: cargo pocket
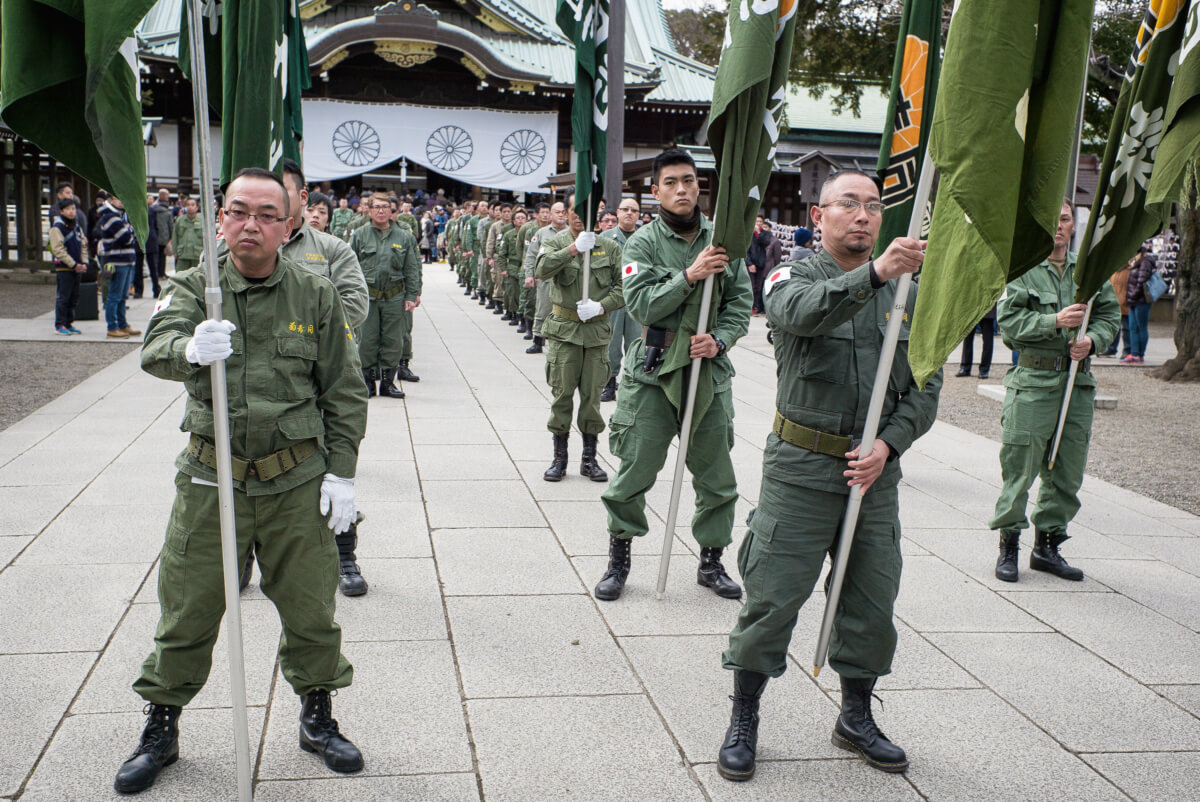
[[755, 551], [172, 572], [621, 435], [295, 429], [294, 367]]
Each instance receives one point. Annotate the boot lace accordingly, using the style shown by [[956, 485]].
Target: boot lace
[[322, 713], [742, 719], [870, 728], [157, 731]]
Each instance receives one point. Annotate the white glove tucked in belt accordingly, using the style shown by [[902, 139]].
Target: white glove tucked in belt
[[210, 343], [589, 309], [337, 501]]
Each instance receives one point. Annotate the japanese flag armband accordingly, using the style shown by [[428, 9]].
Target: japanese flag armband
[[778, 276]]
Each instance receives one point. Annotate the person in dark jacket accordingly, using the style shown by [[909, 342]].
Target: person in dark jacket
[[70, 261], [756, 262], [1139, 306], [987, 330], [146, 259], [119, 245]]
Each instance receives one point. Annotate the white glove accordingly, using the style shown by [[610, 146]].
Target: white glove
[[210, 343], [337, 494], [589, 309], [585, 241]]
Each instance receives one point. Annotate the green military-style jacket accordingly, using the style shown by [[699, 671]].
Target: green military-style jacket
[[326, 255], [829, 325], [358, 222], [620, 236], [188, 237], [389, 259], [481, 237], [294, 374], [341, 220], [657, 294], [565, 274], [529, 263], [494, 231], [468, 232], [409, 221], [452, 234], [506, 251], [1026, 318], [524, 235]]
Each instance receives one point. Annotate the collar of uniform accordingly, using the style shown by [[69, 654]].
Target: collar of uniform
[[705, 228], [1071, 256], [238, 282], [297, 234]]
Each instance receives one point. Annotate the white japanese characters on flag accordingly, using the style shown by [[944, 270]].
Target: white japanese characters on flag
[[497, 149], [779, 276]]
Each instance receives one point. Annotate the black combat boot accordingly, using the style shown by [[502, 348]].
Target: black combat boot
[[405, 374], [506, 314], [528, 329], [588, 467], [1006, 563], [514, 320], [536, 348], [498, 309], [609, 393], [483, 299], [558, 468], [247, 570], [711, 574], [613, 582], [351, 582], [522, 324], [856, 730], [735, 761], [158, 747], [1045, 557], [319, 733], [387, 386], [469, 291], [370, 377]]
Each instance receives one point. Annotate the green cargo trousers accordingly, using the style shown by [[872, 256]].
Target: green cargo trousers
[[624, 331], [528, 301], [406, 347], [571, 367], [542, 307], [381, 336], [512, 295], [642, 449], [1029, 418], [484, 274], [299, 563], [780, 560]]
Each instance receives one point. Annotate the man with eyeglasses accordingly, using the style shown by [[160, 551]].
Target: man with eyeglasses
[[829, 313], [297, 412], [542, 305], [624, 328], [392, 267]]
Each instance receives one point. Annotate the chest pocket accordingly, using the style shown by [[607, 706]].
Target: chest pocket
[[828, 358], [294, 364]]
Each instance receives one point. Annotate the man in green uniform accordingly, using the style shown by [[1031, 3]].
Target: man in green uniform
[[625, 329], [460, 241], [342, 216], [403, 371], [297, 412], [829, 313], [528, 299], [508, 254], [483, 267], [474, 244], [452, 243], [388, 256], [578, 332], [558, 222], [328, 256], [362, 218], [1038, 319], [665, 264], [187, 240], [501, 219], [406, 218]]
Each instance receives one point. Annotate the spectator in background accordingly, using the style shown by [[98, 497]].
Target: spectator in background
[[646, 218], [1120, 284], [801, 244], [144, 257], [91, 233], [187, 241], [319, 212], [342, 216], [118, 242], [70, 261], [608, 221], [774, 250], [1139, 306], [756, 262], [61, 192], [163, 220], [987, 330]]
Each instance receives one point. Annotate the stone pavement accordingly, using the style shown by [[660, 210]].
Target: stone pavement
[[485, 669]]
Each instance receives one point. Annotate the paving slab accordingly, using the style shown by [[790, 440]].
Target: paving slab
[[424, 787], [587, 761], [464, 463], [1147, 775], [811, 780], [380, 714], [497, 562], [28, 510], [393, 529], [10, 547], [1097, 709], [85, 754], [90, 535], [1186, 696], [1132, 637], [797, 716], [452, 432], [402, 603], [468, 505], [387, 481], [1180, 552], [582, 529], [569, 651], [921, 511], [1161, 587], [936, 597], [35, 693]]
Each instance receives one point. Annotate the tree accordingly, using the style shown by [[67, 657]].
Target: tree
[[699, 32], [1185, 365]]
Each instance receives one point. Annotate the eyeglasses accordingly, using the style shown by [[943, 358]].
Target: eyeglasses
[[263, 218], [633, 209], [850, 205]]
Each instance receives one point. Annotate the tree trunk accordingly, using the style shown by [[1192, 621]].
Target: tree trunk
[[1185, 366]]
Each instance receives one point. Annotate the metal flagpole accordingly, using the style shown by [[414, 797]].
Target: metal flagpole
[[220, 405], [587, 257], [685, 432], [874, 411]]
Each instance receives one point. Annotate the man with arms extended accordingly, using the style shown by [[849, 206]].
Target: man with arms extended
[[578, 332], [388, 257], [297, 411], [624, 328], [829, 313], [664, 267], [558, 222], [1038, 319]]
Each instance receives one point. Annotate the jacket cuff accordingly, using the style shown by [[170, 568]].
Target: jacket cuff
[[343, 465], [897, 439]]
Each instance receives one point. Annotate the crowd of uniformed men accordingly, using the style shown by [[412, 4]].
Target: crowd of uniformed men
[[317, 323]]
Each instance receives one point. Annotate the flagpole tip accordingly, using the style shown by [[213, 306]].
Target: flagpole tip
[[658, 596], [816, 671]]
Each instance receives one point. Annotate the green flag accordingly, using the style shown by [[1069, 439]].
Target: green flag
[[260, 73], [1153, 146], [747, 108], [585, 23], [67, 88], [1003, 133], [910, 114]]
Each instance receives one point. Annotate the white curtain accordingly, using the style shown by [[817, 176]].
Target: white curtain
[[493, 149]]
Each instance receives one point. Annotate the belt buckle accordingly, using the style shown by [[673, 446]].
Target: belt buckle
[[1058, 363], [250, 470]]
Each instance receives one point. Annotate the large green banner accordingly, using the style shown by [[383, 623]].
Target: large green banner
[[585, 23]]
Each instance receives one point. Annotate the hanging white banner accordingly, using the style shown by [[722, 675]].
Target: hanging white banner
[[491, 149]]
